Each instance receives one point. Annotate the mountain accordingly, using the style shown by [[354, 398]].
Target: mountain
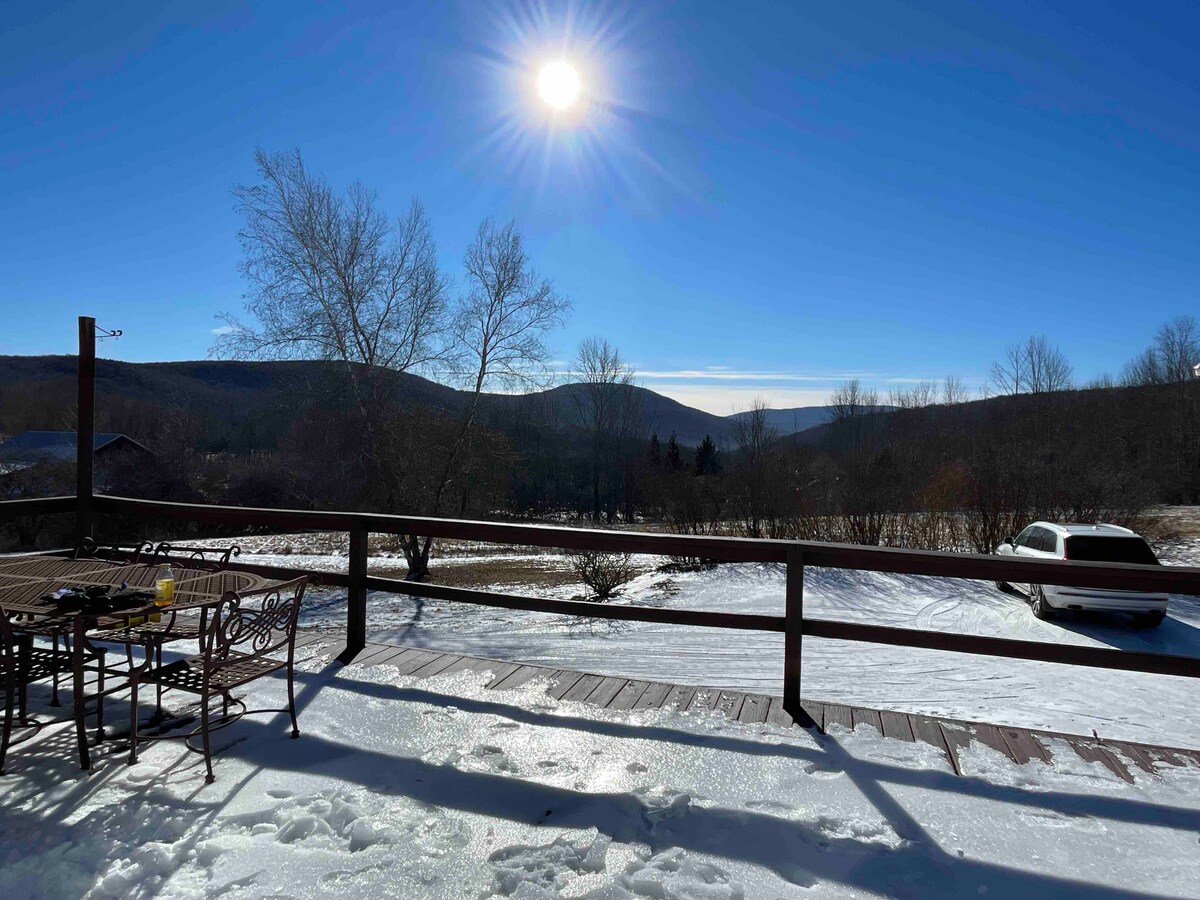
[[789, 421], [251, 399]]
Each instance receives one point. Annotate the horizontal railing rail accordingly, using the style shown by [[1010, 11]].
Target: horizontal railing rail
[[795, 556], [36, 506], [1168, 579]]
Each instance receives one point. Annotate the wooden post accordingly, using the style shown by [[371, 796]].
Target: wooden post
[[356, 611], [85, 429], [793, 638]]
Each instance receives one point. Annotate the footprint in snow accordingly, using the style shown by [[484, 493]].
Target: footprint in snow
[[818, 770]]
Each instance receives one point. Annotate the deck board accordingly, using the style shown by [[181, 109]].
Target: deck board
[[704, 698], [628, 695], [836, 714], [777, 715], [950, 737], [563, 681], [580, 689], [679, 698], [605, 692], [754, 709], [896, 725], [518, 677], [1094, 752], [1023, 746], [653, 696], [869, 717], [928, 731]]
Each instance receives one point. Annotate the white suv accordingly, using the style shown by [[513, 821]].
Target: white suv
[[1096, 543]]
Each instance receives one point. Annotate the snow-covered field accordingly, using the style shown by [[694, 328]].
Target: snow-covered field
[[1152, 709], [437, 788]]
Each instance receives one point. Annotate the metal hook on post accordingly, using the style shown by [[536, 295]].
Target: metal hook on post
[[102, 333]]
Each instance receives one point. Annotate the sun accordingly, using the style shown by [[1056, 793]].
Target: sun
[[558, 84]]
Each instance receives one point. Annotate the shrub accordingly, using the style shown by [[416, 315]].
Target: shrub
[[603, 573]]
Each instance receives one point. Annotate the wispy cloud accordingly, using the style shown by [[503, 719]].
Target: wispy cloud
[[223, 329]]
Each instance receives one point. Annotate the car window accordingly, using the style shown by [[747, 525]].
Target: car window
[[1034, 541], [1023, 538], [1047, 541], [1110, 549]]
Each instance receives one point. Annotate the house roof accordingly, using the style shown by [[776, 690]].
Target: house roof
[[58, 444]]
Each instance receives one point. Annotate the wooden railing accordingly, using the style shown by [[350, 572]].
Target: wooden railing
[[795, 555]]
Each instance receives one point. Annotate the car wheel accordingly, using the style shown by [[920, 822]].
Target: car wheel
[[1037, 601], [1149, 620], [1004, 586]]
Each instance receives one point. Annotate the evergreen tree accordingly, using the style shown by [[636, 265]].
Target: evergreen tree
[[674, 458], [655, 451], [707, 457]]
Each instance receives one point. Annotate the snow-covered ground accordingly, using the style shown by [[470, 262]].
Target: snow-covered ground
[[437, 788], [1152, 709]]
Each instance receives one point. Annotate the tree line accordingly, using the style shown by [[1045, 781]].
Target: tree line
[[331, 277]]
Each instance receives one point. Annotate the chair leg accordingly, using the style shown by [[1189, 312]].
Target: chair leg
[[292, 702], [54, 701], [100, 662], [23, 703], [8, 723], [24, 652], [158, 688], [209, 778], [133, 719]]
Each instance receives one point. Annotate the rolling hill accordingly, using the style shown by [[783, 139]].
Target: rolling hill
[[39, 392]]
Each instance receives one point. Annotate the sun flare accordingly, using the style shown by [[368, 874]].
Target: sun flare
[[558, 84]]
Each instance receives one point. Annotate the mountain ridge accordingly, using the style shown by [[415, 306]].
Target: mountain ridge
[[244, 388]]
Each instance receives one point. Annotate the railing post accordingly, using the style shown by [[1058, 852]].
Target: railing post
[[85, 429], [793, 638], [356, 611]]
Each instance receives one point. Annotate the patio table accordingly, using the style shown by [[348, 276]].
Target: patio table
[[25, 586]]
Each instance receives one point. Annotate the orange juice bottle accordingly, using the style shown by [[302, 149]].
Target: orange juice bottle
[[164, 589]]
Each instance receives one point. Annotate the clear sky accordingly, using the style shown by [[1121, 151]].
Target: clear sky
[[751, 199]]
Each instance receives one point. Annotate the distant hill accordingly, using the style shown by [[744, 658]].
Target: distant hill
[[39, 392], [789, 421]]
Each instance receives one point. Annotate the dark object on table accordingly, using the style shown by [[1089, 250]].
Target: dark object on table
[[100, 599]]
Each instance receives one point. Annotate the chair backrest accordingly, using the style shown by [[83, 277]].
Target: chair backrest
[[89, 548], [255, 629], [197, 556]]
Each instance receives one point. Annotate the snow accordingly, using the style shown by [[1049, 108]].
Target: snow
[[438, 788], [1155, 709]]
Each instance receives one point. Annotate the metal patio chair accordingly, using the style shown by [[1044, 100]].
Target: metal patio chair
[[236, 650], [22, 664], [196, 557], [168, 625]]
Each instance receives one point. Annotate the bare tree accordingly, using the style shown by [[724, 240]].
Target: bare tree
[[851, 400], [953, 391], [499, 331], [603, 399], [756, 487], [332, 277], [1170, 359], [1178, 346], [1145, 368], [921, 394], [1034, 367]]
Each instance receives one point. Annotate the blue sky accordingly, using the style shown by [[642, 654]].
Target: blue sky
[[756, 199]]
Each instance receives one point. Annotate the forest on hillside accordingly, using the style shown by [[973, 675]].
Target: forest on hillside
[[360, 430]]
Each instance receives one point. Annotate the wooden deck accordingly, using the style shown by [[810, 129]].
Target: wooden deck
[[950, 736]]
